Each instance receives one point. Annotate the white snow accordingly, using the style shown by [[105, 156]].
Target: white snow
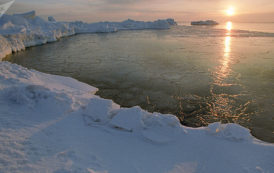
[[19, 31], [56, 124]]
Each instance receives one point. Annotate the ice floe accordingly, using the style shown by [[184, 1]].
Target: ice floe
[[206, 22]]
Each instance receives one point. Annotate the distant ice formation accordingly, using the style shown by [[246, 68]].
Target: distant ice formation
[[206, 22], [51, 19]]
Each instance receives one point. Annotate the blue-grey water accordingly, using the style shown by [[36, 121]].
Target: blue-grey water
[[200, 74]]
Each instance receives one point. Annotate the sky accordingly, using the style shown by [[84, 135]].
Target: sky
[[118, 10]]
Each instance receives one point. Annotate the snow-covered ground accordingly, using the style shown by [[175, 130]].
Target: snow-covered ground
[[56, 124], [19, 31]]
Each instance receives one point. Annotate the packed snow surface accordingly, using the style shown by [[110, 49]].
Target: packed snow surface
[[56, 124], [19, 31]]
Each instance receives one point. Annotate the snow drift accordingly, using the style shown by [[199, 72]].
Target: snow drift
[[19, 31], [56, 124]]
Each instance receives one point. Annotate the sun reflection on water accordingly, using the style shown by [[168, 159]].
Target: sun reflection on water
[[226, 59], [222, 107], [224, 68], [229, 27], [227, 46]]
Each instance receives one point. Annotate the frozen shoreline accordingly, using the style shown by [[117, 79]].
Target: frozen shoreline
[[20, 31]]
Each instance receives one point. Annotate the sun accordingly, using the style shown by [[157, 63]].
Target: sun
[[230, 11]]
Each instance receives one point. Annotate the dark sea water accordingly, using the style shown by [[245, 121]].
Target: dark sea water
[[200, 74]]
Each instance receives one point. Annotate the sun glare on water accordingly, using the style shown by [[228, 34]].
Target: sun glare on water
[[230, 11], [229, 26]]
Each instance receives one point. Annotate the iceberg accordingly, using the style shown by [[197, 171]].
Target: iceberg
[[57, 124], [51, 19], [19, 31], [206, 22]]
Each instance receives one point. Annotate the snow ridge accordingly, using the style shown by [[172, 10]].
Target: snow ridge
[[19, 31]]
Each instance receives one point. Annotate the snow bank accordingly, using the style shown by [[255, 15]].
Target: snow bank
[[19, 31], [56, 124], [230, 131]]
